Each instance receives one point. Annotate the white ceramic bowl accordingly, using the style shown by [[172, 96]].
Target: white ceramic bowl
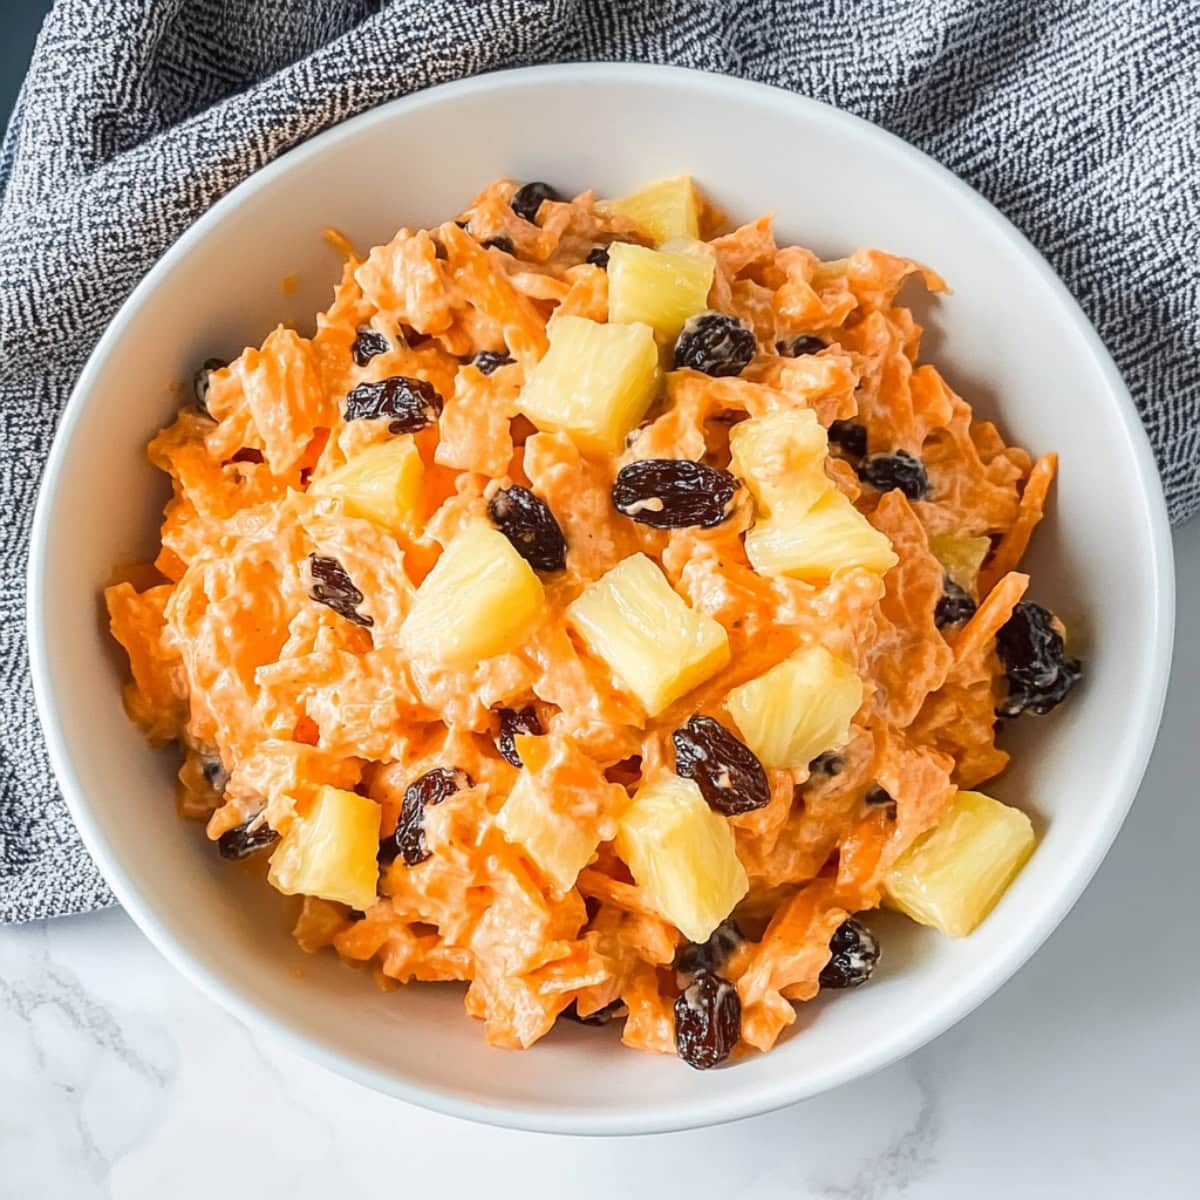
[[1010, 338]]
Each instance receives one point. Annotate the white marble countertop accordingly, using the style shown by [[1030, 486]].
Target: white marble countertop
[[1081, 1078]]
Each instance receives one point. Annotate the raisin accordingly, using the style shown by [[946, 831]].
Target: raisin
[[411, 404], [598, 257], [715, 344], [674, 493], [501, 243], [806, 343], [512, 722], [730, 777], [200, 381], [247, 454], [408, 841], [828, 763], [335, 589], [849, 437], [214, 772], [711, 955], [527, 199], [877, 795], [954, 606], [1039, 673], [899, 470], [708, 1021], [368, 343], [855, 956], [487, 361], [601, 1016], [530, 526], [242, 841]]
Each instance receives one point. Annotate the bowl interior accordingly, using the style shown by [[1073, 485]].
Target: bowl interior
[[1008, 339]]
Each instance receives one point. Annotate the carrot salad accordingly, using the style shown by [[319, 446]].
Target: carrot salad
[[599, 608]]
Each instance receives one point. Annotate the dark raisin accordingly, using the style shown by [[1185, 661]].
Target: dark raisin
[[708, 1021], [335, 589], [601, 1016], [729, 776], [674, 493], [877, 795], [527, 199], [529, 524], [242, 841], [411, 404], [715, 344], [487, 361], [1039, 672], [954, 606], [408, 841], [501, 243], [899, 470], [200, 381], [855, 956], [711, 955], [849, 437], [806, 343], [214, 772], [829, 763], [368, 343], [598, 257], [247, 454], [512, 722]]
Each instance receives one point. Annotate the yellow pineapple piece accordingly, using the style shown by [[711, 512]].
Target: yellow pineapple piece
[[781, 458], [682, 855], [480, 599], [594, 383], [656, 645], [556, 809], [665, 209], [658, 288], [952, 876], [331, 851], [813, 543], [382, 484], [800, 708], [961, 554]]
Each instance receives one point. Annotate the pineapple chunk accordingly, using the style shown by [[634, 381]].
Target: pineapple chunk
[[331, 851], [665, 209], [961, 555], [656, 645], [781, 458], [800, 708], [556, 808], [595, 382], [812, 544], [480, 599], [952, 876], [382, 484], [656, 287], [682, 856]]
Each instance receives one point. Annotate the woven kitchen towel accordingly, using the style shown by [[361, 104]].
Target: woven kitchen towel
[[1080, 120]]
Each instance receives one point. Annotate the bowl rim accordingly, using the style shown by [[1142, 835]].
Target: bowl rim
[[707, 1108]]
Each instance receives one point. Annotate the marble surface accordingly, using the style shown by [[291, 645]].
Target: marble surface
[[1080, 1078]]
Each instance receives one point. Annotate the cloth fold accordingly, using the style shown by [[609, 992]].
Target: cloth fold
[[1080, 119]]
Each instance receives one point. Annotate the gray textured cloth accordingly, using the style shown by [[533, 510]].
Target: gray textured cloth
[[1080, 120]]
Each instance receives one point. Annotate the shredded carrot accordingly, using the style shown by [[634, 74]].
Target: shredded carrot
[[1012, 546], [992, 613]]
